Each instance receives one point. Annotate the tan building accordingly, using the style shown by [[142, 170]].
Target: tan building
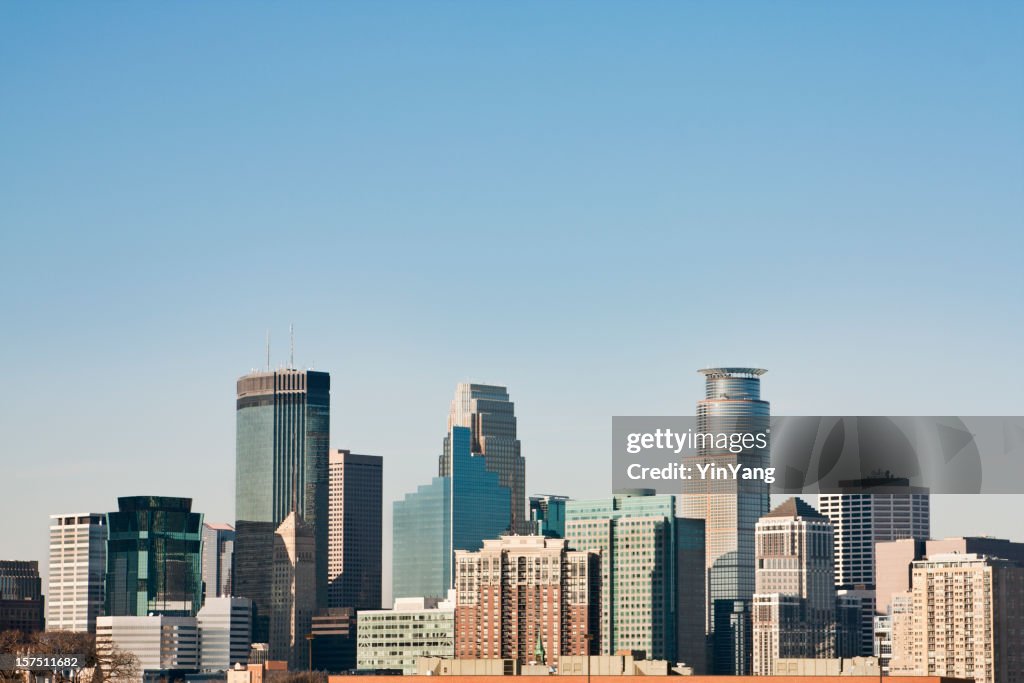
[[293, 591], [967, 620], [526, 598], [794, 613]]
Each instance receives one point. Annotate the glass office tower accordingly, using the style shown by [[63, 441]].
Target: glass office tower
[[486, 410], [730, 507], [455, 512], [281, 461], [154, 559]]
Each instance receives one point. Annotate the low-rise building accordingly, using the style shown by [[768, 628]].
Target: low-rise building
[[394, 639]]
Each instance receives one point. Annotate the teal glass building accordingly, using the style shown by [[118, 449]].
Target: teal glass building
[[281, 463], [454, 512], [154, 557]]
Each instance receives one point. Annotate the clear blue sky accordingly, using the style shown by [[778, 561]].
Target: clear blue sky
[[584, 201]]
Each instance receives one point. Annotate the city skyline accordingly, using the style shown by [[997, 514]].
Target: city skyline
[[613, 185]]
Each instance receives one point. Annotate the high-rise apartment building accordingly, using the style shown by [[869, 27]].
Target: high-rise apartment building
[[521, 595], [968, 617], [218, 559], [794, 612], [640, 541], [454, 512], [547, 515], [281, 465], [154, 560], [488, 413], [883, 509], [354, 530], [394, 639], [78, 552], [293, 591], [225, 632], [21, 596], [730, 507]]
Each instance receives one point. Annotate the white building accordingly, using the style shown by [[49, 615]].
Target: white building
[[224, 633], [158, 642], [396, 638], [78, 552]]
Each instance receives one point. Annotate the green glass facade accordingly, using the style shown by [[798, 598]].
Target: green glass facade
[[154, 557], [455, 512], [281, 461]]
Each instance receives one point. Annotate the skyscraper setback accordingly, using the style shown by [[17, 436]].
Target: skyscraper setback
[[490, 416], [729, 507], [281, 465]]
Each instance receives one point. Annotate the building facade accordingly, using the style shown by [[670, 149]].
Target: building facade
[[547, 515], [281, 464], [218, 559], [520, 596], [394, 639], [160, 643], [636, 535], [225, 632], [293, 591], [454, 512], [730, 507], [154, 559], [354, 530], [334, 639], [967, 620], [78, 555], [488, 413], [862, 520], [21, 596], [794, 611]]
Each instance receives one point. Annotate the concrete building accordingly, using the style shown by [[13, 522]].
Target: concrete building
[[454, 512], [354, 530], [640, 541], [293, 591], [395, 639], [730, 508], [877, 510], [161, 643], [281, 464], [794, 614], [334, 639], [486, 410], [21, 596], [225, 632], [547, 515], [78, 556], [218, 559], [526, 598], [968, 617], [847, 666], [154, 561]]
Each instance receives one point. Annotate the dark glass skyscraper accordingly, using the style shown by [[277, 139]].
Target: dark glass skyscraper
[[730, 507], [281, 451], [154, 562]]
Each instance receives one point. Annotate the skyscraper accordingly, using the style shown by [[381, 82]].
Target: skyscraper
[[281, 464], [637, 537], [547, 515], [490, 416], [454, 512], [224, 632], [218, 559], [21, 596], [354, 530], [293, 591], [78, 554], [730, 507], [154, 563], [794, 612], [860, 521], [520, 595]]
